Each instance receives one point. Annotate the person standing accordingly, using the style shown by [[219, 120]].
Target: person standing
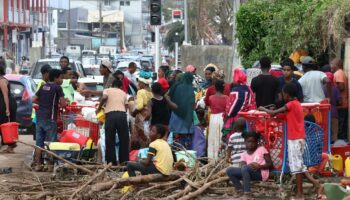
[[208, 71], [335, 100], [296, 137], [48, 97], [141, 114], [8, 106], [108, 78], [116, 103], [313, 82], [128, 87], [67, 86], [161, 77], [64, 62], [265, 86], [216, 76], [341, 81], [217, 105], [130, 74], [288, 77], [181, 119]]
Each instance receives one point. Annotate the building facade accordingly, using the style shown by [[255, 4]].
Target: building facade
[[22, 25]]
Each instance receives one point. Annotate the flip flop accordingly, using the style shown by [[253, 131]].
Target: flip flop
[[8, 151]]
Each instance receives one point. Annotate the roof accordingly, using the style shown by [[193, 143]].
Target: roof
[[110, 16], [14, 77]]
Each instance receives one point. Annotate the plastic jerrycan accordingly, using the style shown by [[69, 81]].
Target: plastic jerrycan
[[347, 167], [337, 162]]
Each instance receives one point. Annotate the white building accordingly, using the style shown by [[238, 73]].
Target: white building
[[132, 15]]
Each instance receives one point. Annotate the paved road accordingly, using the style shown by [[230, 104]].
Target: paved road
[[22, 153]]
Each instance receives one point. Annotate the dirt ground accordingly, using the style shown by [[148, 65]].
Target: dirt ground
[[22, 176], [19, 162]]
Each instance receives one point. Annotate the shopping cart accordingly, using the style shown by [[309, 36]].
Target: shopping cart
[[71, 118], [274, 134]]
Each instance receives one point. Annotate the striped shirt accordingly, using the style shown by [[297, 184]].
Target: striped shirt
[[236, 142]]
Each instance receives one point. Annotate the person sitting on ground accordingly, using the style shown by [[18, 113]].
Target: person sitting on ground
[[255, 165], [160, 158], [236, 144], [295, 136], [49, 97]]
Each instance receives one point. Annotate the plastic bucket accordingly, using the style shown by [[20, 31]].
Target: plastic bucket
[[189, 159], [9, 132]]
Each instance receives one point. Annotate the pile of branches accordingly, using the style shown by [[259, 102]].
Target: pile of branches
[[105, 182]]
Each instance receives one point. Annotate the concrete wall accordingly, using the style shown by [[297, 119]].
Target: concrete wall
[[35, 53], [62, 43], [200, 56]]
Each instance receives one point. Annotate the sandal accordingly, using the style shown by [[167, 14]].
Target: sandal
[[8, 150]]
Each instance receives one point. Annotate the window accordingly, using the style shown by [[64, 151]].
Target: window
[[127, 3], [62, 24], [121, 3], [107, 2]]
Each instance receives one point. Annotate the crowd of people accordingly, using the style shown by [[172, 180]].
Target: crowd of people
[[192, 113]]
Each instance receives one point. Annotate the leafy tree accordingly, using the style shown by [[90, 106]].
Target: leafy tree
[[277, 27], [170, 36]]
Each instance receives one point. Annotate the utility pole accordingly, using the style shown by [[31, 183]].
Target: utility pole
[[68, 22], [186, 21], [235, 57], [157, 47], [100, 11], [176, 49], [50, 23]]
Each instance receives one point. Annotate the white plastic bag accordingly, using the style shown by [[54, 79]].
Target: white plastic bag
[[102, 143]]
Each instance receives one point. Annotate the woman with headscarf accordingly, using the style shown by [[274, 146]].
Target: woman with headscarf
[[141, 113], [181, 120], [241, 99]]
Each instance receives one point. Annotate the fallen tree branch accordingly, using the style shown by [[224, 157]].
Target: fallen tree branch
[[203, 188], [91, 180], [157, 186], [58, 157], [121, 182]]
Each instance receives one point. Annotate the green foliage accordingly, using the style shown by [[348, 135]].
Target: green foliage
[[277, 27], [169, 38]]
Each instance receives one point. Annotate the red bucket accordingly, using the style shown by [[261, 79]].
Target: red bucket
[[9, 132]]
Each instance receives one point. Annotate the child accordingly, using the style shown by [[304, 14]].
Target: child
[[159, 106], [236, 144], [47, 97], [217, 104], [159, 160], [296, 136], [255, 165]]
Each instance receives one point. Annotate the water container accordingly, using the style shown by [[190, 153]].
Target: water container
[[9, 132], [347, 167], [337, 162], [71, 136]]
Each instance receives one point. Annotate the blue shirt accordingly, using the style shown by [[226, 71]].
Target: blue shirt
[[300, 95]]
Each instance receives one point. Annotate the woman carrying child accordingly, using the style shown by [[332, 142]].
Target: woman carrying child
[[255, 165]]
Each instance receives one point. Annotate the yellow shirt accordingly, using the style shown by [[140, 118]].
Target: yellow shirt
[[163, 158], [142, 98]]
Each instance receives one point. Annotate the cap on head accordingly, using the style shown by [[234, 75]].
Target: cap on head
[[107, 64]]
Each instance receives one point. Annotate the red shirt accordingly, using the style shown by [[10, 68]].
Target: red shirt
[[217, 104], [211, 91], [295, 120]]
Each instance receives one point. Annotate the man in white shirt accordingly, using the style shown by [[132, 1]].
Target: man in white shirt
[[313, 82], [131, 73]]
